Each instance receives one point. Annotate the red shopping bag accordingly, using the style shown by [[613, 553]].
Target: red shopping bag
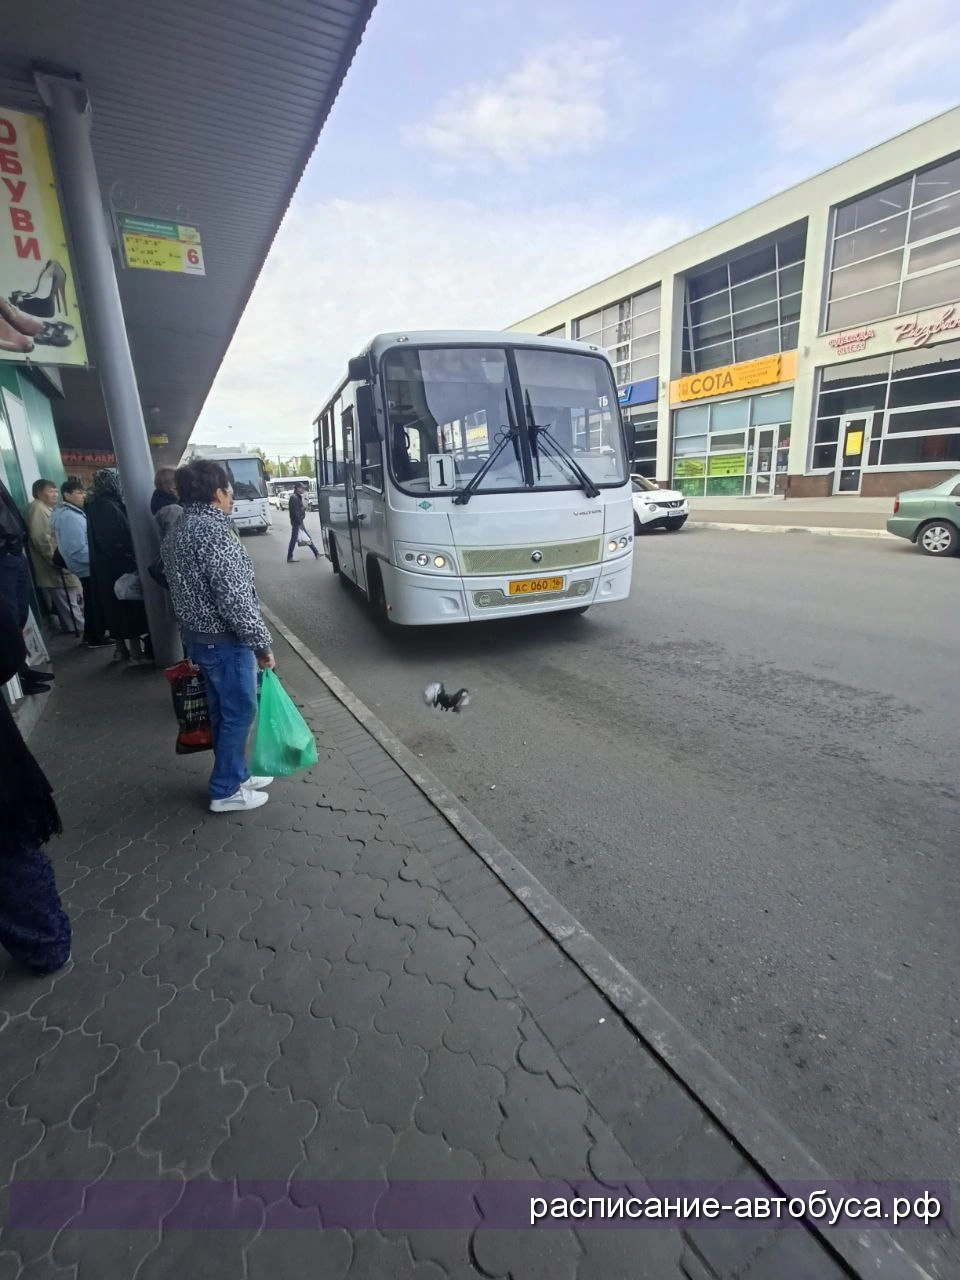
[[190, 707]]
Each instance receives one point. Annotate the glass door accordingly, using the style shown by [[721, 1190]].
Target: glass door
[[763, 471], [850, 452]]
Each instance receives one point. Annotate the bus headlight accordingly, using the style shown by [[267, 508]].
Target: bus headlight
[[612, 545], [426, 559], [618, 544]]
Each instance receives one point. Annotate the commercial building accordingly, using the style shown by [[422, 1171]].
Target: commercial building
[[809, 346]]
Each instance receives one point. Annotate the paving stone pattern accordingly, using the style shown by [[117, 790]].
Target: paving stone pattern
[[335, 986]]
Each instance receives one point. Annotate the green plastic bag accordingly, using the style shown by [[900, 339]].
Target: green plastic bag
[[282, 741]]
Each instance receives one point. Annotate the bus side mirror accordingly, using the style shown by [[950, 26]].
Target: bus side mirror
[[358, 369], [366, 414]]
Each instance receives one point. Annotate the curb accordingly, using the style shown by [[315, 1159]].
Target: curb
[[869, 1255], [793, 528]]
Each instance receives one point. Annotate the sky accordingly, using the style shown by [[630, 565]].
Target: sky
[[486, 158]]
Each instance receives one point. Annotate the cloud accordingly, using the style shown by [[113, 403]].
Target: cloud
[[344, 270], [553, 104], [717, 34], [840, 94]]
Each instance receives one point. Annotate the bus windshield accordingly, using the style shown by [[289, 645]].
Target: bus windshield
[[246, 476], [453, 411]]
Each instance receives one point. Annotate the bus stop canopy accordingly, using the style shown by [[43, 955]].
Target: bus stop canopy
[[205, 112]]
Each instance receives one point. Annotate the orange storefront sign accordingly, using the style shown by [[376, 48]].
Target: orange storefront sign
[[730, 378]]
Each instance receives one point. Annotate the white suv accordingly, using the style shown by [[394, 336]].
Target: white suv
[[655, 508]]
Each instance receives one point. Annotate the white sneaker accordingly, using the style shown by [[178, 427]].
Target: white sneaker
[[241, 800], [257, 784]]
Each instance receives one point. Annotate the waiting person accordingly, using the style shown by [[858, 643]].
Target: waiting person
[[60, 587], [69, 524], [111, 556], [15, 583], [211, 583], [164, 490], [298, 530], [34, 928]]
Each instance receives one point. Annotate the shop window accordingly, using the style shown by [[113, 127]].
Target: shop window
[[728, 415], [691, 422], [934, 388], [827, 431], [750, 265], [755, 345], [743, 299], [870, 274], [936, 218], [773, 408], [684, 446], [716, 356], [937, 253], [938, 181], [914, 451], [871, 242], [837, 401], [873, 457], [863, 308], [824, 456], [858, 373], [931, 290], [729, 440], [937, 418], [874, 207], [647, 368]]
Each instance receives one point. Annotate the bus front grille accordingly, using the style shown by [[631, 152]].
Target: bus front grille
[[488, 561]]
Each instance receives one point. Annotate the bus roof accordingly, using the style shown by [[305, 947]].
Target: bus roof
[[458, 337]]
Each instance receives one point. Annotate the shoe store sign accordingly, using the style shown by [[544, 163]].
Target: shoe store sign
[[39, 316], [155, 245]]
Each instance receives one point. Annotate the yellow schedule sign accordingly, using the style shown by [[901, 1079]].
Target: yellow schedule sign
[[735, 377], [151, 244]]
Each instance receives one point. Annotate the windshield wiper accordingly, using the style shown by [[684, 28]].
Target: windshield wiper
[[557, 449], [511, 433]]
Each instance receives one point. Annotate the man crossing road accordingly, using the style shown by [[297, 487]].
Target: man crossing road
[[298, 531]]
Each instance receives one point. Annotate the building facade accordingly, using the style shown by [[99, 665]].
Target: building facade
[[809, 346]]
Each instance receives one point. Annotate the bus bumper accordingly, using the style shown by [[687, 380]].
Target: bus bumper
[[420, 599]]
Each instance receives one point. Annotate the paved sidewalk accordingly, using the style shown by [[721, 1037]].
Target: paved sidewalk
[[333, 987], [795, 513]]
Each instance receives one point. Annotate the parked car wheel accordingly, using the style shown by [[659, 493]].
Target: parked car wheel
[[938, 538]]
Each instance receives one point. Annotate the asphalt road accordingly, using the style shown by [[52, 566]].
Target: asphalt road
[[746, 781]]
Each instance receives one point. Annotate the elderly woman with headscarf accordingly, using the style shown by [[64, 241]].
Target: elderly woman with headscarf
[[111, 556]]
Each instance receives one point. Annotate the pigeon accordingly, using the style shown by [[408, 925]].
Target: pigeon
[[435, 695]]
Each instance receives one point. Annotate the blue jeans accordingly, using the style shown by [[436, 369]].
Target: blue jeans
[[295, 533], [230, 672]]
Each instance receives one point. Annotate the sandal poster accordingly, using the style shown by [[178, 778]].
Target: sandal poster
[[39, 315]]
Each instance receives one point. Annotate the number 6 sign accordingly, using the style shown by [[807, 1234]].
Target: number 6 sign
[[193, 260]]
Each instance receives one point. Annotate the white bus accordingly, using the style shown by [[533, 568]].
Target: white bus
[[473, 476], [251, 509], [281, 488]]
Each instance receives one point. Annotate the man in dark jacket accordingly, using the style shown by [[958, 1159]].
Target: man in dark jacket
[[298, 515]]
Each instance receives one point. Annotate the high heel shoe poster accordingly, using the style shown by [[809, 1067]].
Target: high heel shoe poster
[[39, 316]]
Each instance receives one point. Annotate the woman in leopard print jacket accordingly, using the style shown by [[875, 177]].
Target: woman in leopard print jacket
[[214, 597]]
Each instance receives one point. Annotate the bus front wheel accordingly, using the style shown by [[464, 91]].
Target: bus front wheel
[[377, 594]]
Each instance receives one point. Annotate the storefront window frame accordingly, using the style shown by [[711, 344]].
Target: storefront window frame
[[704, 308], [619, 324], [906, 277], [878, 426]]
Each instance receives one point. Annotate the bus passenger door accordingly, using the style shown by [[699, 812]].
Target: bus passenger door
[[352, 484]]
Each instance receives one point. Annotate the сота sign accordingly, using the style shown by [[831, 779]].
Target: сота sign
[[735, 377]]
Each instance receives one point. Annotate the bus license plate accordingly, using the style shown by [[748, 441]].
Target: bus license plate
[[534, 586]]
